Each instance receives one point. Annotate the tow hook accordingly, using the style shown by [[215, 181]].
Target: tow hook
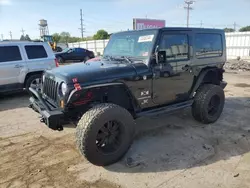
[[60, 128], [42, 120]]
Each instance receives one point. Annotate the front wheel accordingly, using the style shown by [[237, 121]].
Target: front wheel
[[105, 133], [208, 103], [34, 81]]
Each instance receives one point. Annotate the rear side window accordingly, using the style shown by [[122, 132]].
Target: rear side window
[[10, 53], [35, 52], [176, 46], [208, 45]]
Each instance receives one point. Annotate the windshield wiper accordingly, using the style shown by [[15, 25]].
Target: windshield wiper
[[127, 59], [117, 58]]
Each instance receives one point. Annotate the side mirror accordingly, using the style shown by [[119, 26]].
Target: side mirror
[[161, 57]]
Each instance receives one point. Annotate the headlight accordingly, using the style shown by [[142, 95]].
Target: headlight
[[63, 88]]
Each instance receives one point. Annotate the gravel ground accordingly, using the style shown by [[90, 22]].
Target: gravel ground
[[169, 151]]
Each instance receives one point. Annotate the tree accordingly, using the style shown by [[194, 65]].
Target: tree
[[243, 29], [56, 37], [101, 34], [22, 38], [229, 30], [64, 37], [27, 37]]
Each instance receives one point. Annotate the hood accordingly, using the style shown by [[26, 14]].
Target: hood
[[59, 53], [94, 72]]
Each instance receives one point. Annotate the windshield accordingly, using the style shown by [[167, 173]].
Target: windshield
[[131, 44], [66, 49]]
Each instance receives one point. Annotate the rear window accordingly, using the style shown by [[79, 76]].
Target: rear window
[[208, 45], [35, 52], [10, 53]]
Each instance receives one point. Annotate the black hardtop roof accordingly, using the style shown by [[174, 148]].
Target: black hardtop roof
[[177, 29]]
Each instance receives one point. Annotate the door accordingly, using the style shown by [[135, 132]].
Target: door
[[173, 78], [80, 53], [69, 55], [38, 59], [11, 64]]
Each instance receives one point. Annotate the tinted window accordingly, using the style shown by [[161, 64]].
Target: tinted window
[[80, 50], [208, 45], [35, 52], [176, 47], [10, 53]]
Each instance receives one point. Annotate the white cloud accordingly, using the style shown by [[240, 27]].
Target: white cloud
[[5, 2]]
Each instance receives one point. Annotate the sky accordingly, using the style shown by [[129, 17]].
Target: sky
[[115, 15]]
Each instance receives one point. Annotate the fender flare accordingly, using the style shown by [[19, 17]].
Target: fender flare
[[200, 78], [130, 95]]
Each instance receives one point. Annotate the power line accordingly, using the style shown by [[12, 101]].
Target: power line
[[81, 29], [188, 7], [22, 31]]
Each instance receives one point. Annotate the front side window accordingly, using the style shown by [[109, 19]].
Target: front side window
[[175, 46], [208, 45], [137, 44], [35, 52], [10, 53]]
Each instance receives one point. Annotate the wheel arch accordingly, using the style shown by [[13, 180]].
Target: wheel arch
[[211, 75], [28, 75], [117, 93]]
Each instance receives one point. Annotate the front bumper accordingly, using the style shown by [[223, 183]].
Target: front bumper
[[50, 115]]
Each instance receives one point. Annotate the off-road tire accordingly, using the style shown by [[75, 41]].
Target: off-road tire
[[201, 102], [31, 79], [90, 124]]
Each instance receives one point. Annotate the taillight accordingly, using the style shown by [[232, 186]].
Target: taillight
[[56, 62]]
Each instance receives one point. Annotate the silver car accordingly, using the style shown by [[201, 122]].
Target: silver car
[[23, 63]]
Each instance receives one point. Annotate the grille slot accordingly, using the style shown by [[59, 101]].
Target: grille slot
[[50, 88]]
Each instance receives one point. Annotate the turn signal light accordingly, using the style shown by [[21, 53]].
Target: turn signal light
[[62, 104]]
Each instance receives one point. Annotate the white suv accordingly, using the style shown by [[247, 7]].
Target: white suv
[[23, 63]]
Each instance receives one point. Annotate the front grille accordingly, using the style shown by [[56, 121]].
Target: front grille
[[50, 88]]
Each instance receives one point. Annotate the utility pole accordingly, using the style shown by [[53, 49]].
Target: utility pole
[[188, 7], [2, 36], [201, 23], [22, 31], [235, 25], [10, 35], [81, 29]]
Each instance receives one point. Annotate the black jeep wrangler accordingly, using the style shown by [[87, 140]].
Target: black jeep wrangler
[[142, 73]]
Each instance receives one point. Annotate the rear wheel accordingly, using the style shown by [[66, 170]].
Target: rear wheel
[[60, 60], [105, 133], [208, 103]]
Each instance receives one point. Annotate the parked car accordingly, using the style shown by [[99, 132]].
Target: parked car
[[142, 73], [23, 63], [74, 54]]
